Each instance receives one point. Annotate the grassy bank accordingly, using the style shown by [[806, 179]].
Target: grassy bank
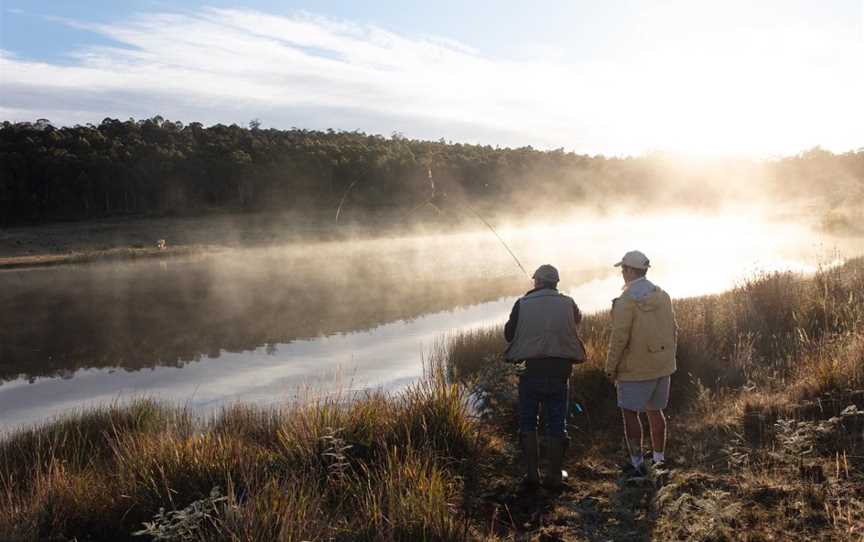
[[766, 437], [120, 239], [376, 466], [130, 238], [766, 422]]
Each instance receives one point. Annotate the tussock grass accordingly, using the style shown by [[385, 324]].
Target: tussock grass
[[471, 351], [349, 467], [81, 440], [837, 365], [411, 498]]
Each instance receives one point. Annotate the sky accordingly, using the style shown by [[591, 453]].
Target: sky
[[618, 77]]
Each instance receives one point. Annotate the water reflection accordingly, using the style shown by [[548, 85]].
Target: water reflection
[[259, 323], [54, 322], [388, 355]]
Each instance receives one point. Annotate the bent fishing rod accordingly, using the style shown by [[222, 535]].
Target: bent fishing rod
[[428, 202]]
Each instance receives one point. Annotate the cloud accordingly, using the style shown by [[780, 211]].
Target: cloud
[[228, 65]]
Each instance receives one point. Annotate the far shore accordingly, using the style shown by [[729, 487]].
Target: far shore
[[100, 255], [128, 238], [208, 232]]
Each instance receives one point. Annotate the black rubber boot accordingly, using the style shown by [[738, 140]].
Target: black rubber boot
[[555, 476], [528, 441]]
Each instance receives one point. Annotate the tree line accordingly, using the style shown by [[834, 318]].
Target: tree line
[[156, 166]]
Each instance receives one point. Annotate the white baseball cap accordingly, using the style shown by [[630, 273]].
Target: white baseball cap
[[634, 259]]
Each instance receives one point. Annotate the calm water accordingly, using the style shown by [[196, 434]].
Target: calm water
[[265, 325]]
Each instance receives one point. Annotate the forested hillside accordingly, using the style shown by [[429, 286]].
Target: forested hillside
[[156, 166]]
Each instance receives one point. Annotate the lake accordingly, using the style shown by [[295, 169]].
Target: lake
[[269, 325]]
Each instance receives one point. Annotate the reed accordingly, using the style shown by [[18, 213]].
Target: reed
[[348, 467]]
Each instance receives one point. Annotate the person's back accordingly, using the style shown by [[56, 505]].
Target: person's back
[[546, 330], [641, 358], [542, 332], [644, 333]]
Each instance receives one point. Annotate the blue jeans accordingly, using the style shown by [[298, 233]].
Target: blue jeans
[[552, 392]]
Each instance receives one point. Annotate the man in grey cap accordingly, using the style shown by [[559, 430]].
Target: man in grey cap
[[641, 358], [542, 331]]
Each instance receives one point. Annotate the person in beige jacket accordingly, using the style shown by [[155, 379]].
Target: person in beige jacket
[[641, 358]]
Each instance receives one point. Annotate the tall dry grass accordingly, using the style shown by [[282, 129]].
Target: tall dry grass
[[351, 467], [770, 331]]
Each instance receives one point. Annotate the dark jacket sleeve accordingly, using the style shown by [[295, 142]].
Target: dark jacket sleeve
[[577, 313], [510, 326]]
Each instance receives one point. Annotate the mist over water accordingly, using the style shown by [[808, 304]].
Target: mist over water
[[272, 324]]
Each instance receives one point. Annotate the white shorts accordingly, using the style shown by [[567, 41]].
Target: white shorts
[[642, 395]]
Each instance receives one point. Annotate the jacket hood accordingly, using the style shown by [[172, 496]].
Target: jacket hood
[[647, 295], [639, 288], [651, 301]]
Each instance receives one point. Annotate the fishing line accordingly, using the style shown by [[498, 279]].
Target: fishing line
[[428, 202], [488, 225], [475, 213]]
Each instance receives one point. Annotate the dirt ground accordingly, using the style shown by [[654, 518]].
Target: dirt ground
[[702, 497]]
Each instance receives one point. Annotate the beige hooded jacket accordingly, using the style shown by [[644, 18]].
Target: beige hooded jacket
[[644, 334]]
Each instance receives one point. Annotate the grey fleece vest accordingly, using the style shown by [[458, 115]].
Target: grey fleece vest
[[546, 328]]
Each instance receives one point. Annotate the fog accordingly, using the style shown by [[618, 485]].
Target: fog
[[263, 323]]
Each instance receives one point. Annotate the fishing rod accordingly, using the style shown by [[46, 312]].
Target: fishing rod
[[345, 195], [428, 202], [488, 225], [475, 213]]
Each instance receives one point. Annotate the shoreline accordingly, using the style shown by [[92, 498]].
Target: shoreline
[[771, 444], [129, 238], [117, 254]]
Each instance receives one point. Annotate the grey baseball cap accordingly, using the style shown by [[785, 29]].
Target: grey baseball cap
[[634, 259], [546, 273]]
